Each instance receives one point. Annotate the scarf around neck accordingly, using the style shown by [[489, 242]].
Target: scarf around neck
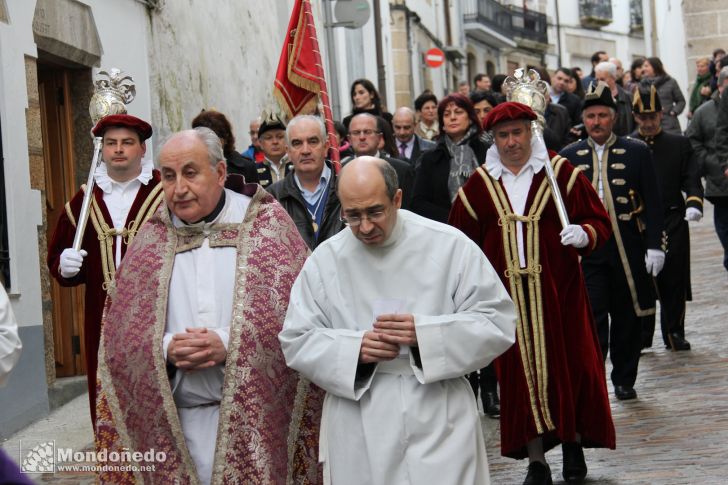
[[463, 162]]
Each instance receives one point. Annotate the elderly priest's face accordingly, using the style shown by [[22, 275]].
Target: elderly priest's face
[[367, 206], [192, 185]]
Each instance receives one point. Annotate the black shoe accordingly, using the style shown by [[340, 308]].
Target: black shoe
[[574, 463], [538, 474], [625, 393], [677, 342], [491, 404]]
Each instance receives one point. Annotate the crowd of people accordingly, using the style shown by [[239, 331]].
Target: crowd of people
[[273, 316]]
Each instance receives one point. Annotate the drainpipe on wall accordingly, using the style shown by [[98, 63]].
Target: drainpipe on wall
[[653, 34], [333, 81], [558, 33], [381, 73]]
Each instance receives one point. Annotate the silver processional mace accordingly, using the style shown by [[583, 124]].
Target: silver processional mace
[[113, 90], [529, 89]]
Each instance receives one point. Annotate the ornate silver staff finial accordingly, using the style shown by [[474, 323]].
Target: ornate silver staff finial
[[114, 89], [527, 89], [530, 90]]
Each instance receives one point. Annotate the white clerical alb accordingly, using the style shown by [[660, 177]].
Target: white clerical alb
[[201, 295], [405, 421]]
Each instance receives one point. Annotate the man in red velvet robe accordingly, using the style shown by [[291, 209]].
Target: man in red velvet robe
[[126, 194], [553, 387]]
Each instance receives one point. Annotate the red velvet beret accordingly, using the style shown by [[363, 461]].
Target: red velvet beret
[[125, 121], [508, 112]]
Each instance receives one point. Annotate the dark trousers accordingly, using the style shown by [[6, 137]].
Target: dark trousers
[[720, 219], [484, 380], [673, 283], [618, 327]]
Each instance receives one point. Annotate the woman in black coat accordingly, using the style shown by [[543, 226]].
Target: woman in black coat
[[459, 151]]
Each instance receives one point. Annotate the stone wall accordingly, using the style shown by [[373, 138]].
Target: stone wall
[[223, 57], [706, 27]]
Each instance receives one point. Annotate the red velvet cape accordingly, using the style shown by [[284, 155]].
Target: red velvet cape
[[91, 273], [568, 394]]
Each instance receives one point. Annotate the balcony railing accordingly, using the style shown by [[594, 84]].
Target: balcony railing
[[508, 21], [595, 13]]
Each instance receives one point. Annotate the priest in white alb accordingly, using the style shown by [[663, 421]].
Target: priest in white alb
[[387, 318]]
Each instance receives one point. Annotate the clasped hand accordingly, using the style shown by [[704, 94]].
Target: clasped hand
[[390, 332], [196, 349]]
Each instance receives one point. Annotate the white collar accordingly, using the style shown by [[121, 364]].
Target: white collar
[[539, 158], [106, 183]]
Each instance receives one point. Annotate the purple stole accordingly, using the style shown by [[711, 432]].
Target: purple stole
[[269, 417]]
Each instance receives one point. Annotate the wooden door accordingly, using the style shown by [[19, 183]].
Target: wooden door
[[56, 126]]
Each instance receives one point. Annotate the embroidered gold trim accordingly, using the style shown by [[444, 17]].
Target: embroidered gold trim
[[622, 200], [572, 180], [170, 408], [109, 391], [694, 198], [608, 200], [69, 213], [590, 229], [222, 444], [107, 234], [582, 152], [466, 203], [618, 166], [619, 182], [294, 428], [531, 341]]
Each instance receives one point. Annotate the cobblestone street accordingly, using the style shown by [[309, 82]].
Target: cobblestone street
[[674, 433]]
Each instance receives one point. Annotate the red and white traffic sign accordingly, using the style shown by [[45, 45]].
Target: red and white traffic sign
[[434, 57]]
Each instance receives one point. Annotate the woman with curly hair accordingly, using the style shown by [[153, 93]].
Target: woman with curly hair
[[235, 162]]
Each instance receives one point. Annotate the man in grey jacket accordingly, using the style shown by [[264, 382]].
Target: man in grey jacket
[[708, 133]]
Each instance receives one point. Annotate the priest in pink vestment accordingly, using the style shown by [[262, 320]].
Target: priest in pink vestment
[[189, 364]]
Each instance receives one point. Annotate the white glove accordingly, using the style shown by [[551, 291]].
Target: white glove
[[71, 261], [574, 235], [692, 214], [654, 261]]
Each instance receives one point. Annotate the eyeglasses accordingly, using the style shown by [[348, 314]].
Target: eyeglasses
[[364, 132], [356, 219]]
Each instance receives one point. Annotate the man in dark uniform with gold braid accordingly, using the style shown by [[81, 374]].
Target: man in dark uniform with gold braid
[[620, 272], [677, 173]]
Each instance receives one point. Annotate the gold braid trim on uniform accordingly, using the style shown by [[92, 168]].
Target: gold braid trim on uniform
[[466, 203], [531, 341], [609, 204], [694, 198], [69, 213], [593, 233], [107, 234]]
